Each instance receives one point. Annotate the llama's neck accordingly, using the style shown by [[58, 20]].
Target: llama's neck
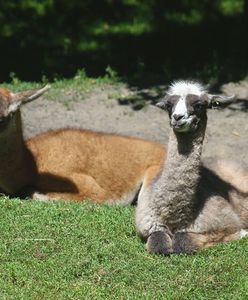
[[176, 187], [17, 168]]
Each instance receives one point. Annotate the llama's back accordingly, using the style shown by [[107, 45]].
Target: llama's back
[[233, 172], [93, 165], [227, 183]]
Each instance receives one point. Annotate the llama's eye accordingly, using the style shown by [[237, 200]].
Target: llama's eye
[[168, 105], [198, 105]]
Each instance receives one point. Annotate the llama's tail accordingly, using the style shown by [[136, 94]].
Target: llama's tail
[[189, 242]]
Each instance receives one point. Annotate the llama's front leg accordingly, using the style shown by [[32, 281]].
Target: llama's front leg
[[150, 227], [189, 242], [159, 242]]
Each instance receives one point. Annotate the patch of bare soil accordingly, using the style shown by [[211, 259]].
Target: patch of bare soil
[[123, 111]]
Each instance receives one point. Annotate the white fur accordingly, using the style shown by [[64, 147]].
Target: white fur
[[13, 107], [183, 88], [243, 233], [40, 197], [181, 108]]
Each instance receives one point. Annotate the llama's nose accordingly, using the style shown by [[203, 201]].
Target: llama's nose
[[178, 117]]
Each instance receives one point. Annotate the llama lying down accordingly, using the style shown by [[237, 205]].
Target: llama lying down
[[71, 164], [191, 206]]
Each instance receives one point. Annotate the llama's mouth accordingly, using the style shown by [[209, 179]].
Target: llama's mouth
[[187, 125], [181, 127]]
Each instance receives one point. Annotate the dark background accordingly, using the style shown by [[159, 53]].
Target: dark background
[[143, 41]]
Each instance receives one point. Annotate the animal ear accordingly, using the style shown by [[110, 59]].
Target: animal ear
[[17, 99], [162, 103], [220, 100]]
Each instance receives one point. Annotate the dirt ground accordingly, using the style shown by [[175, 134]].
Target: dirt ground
[[111, 110]]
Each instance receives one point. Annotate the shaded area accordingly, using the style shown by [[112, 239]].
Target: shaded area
[[240, 105], [48, 183], [172, 39], [139, 98]]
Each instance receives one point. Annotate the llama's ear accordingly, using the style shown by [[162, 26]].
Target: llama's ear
[[162, 103], [216, 101], [17, 99]]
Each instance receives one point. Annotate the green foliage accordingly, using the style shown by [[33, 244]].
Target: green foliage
[[14, 79], [80, 83], [171, 38], [63, 250], [230, 7], [111, 73]]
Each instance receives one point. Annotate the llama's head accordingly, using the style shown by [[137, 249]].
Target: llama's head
[[187, 103], [10, 102]]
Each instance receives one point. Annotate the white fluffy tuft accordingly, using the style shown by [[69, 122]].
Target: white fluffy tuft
[[243, 233], [183, 88]]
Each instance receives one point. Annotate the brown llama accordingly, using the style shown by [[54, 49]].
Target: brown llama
[[71, 164]]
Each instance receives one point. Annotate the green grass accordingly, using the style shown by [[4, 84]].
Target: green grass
[[80, 83], [61, 250]]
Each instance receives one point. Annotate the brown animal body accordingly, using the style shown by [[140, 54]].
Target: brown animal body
[[71, 164]]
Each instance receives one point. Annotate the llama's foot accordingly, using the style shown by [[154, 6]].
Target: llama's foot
[[159, 242], [183, 242]]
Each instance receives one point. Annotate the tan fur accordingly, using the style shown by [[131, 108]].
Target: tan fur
[[191, 241], [73, 164], [233, 172], [100, 167], [5, 92]]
